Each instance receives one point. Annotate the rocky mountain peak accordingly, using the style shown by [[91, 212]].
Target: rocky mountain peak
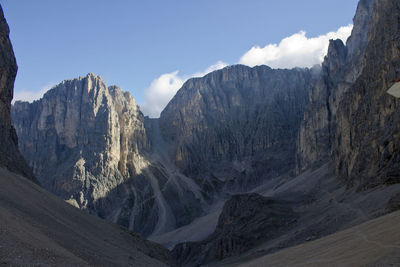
[[87, 131], [361, 21], [233, 115]]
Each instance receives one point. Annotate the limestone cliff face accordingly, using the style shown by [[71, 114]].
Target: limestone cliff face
[[10, 157], [236, 126], [342, 66], [83, 130], [367, 136], [88, 144], [85, 142]]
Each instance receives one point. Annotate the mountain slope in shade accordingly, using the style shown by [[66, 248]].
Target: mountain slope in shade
[[39, 229]]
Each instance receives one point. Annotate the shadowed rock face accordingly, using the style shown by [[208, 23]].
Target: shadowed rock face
[[237, 126], [10, 157], [350, 117], [367, 136], [246, 221], [340, 69]]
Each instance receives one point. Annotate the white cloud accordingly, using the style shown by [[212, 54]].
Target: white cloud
[[296, 50], [160, 92], [30, 96], [216, 66], [163, 89]]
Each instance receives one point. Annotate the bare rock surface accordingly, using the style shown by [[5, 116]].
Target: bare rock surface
[[340, 69], [87, 143], [245, 221], [366, 139], [10, 156], [237, 127]]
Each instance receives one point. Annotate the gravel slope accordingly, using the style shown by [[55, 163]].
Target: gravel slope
[[374, 243], [38, 229]]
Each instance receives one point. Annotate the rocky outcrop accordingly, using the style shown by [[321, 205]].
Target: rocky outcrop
[[237, 126], [350, 117], [341, 68], [246, 221], [366, 138], [10, 157]]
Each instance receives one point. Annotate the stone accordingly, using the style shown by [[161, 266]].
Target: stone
[[10, 156], [246, 221]]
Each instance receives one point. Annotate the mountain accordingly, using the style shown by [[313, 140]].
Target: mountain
[[233, 152], [366, 139], [347, 146], [82, 139], [340, 69], [237, 127], [39, 229], [350, 117], [10, 156], [90, 144]]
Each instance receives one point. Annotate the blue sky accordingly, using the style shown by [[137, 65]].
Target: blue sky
[[134, 43]]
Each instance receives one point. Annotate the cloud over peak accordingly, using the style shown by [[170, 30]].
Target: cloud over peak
[[296, 50], [163, 89]]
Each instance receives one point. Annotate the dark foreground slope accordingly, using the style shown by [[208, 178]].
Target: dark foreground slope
[[39, 229]]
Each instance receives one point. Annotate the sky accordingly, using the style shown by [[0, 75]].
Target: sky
[[150, 48]]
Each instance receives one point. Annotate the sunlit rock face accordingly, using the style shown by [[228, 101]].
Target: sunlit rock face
[[78, 140], [82, 140]]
